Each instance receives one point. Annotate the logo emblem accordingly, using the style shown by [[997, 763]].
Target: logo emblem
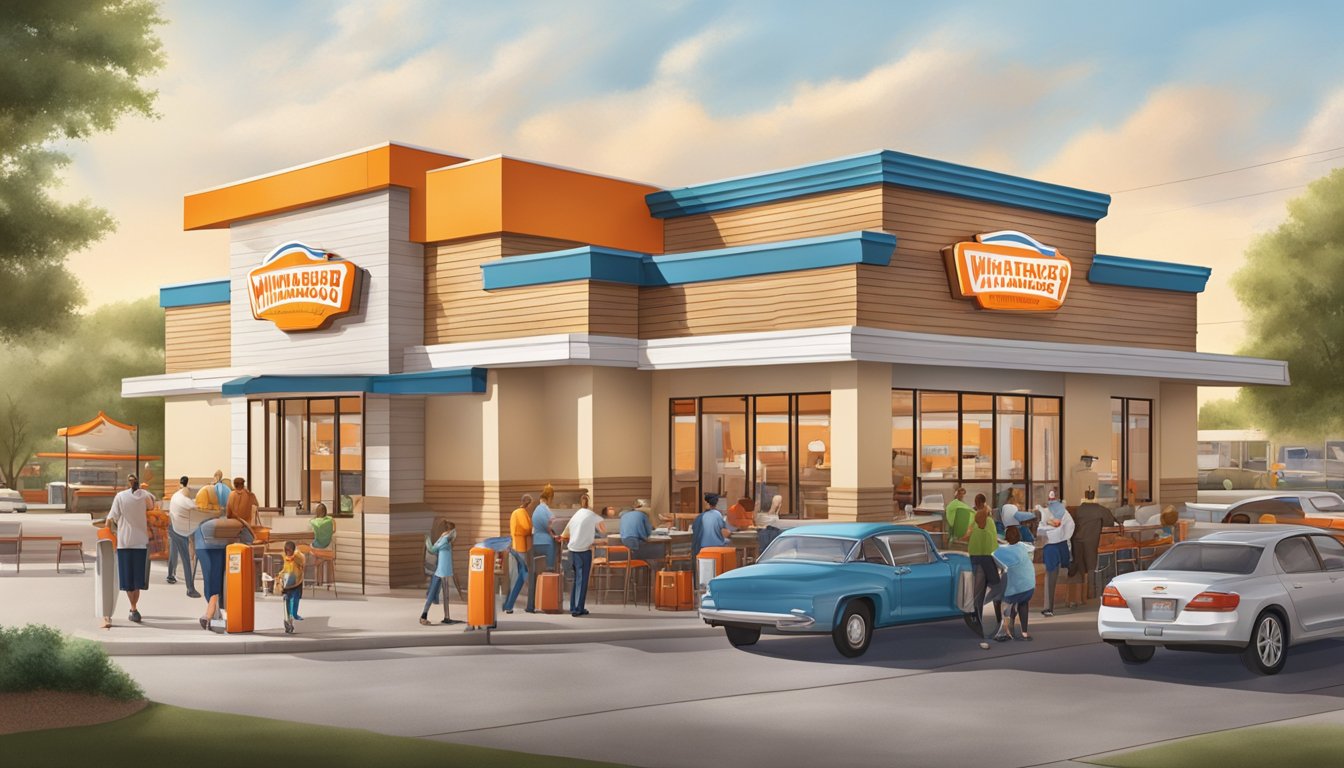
[[301, 288], [1159, 588], [1008, 270]]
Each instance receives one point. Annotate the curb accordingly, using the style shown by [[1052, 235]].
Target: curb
[[297, 644]]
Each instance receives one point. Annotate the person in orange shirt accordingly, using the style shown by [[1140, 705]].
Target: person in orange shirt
[[741, 515], [241, 502], [520, 529]]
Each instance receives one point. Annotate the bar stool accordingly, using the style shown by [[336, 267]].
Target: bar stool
[[619, 559]]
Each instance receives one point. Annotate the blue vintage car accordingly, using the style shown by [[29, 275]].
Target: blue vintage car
[[841, 578]]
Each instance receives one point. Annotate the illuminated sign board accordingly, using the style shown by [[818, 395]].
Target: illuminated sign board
[[1008, 270], [301, 288]]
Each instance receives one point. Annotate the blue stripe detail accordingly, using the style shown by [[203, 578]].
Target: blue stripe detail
[[626, 267], [1141, 273], [884, 167], [456, 381], [194, 294]]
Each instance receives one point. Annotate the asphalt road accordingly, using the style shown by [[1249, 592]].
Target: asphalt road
[[925, 696]]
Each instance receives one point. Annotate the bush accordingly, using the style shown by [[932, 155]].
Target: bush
[[39, 658]]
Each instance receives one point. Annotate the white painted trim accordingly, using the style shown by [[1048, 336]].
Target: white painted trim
[[528, 351], [204, 382]]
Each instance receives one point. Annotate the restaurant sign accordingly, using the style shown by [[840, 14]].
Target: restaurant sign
[[1008, 270], [301, 288]]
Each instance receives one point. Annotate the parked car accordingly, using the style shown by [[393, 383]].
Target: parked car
[[12, 501], [846, 579], [1254, 592], [1286, 507]]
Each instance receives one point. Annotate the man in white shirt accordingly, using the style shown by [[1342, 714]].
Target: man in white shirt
[[1058, 527], [180, 510], [129, 521], [581, 529]]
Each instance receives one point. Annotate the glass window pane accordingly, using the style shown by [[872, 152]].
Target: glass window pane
[[685, 479], [937, 436], [1138, 463], [814, 454], [321, 474], [351, 447], [293, 441], [256, 449], [774, 465], [1108, 472], [977, 437], [1011, 438], [903, 447], [723, 447], [1045, 448]]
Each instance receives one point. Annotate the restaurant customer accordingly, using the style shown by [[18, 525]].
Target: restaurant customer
[[221, 489], [771, 515], [709, 528], [323, 527], [211, 539], [439, 544], [741, 515], [581, 529], [241, 504], [1058, 529], [129, 521], [958, 514], [291, 585], [1088, 520], [636, 530], [543, 537], [1020, 576], [983, 539], [520, 533], [180, 529]]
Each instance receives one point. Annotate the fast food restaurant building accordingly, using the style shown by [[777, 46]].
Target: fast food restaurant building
[[400, 333]]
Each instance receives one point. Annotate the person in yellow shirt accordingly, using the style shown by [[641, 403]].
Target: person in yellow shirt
[[291, 585], [520, 529], [207, 499]]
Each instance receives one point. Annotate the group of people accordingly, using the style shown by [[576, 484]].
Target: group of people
[[200, 526]]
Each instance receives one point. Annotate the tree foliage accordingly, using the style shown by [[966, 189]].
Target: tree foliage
[[1226, 413], [68, 69], [1292, 288], [65, 377]]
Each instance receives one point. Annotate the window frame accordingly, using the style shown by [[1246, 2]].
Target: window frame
[[1310, 548]]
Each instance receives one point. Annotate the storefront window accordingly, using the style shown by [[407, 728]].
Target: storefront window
[[937, 435], [1045, 449], [814, 453], [685, 478], [305, 451], [977, 437], [774, 463], [1012, 437], [903, 447], [1131, 451], [723, 446]]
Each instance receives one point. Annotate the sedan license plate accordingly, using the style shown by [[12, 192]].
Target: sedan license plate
[[1159, 609]]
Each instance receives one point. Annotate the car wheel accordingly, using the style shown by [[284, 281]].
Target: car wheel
[[854, 630], [742, 636], [1268, 650], [974, 624], [1135, 654]]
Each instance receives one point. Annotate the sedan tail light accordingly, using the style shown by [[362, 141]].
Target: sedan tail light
[[1111, 598], [1214, 601]]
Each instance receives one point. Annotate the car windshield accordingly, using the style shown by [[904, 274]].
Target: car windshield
[[1211, 558], [821, 549], [1327, 504]]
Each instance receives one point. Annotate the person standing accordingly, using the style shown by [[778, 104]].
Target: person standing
[[581, 529], [958, 514], [1058, 531], [1021, 582], [439, 543], [211, 539], [129, 521], [982, 539], [543, 538], [1012, 515], [241, 503], [180, 529], [291, 585], [1089, 519], [520, 531], [741, 515]]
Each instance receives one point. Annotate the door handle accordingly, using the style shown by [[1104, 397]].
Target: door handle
[[901, 570], [1297, 586]]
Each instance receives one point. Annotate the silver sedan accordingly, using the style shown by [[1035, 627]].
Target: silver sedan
[[1253, 592]]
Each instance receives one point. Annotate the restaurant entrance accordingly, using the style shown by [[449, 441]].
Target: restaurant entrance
[[307, 450]]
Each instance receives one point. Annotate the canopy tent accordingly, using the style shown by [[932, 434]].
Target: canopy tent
[[101, 439]]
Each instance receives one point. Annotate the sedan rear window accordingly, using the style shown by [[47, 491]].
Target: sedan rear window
[[1209, 558], [821, 549]]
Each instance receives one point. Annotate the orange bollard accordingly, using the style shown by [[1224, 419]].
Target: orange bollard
[[238, 588], [481, 588]]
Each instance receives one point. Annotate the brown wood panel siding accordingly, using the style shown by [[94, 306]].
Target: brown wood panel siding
[[1177, 490], [827, 213], [912, 293], [481, 509], [621, 492], [196, 338], [808, 299], [458, 309]]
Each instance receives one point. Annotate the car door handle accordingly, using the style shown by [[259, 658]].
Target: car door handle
[[901, 570], [1297, 586]]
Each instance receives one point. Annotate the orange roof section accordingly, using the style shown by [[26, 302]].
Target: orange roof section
[[92, 424], [451, 198], [353, 174]]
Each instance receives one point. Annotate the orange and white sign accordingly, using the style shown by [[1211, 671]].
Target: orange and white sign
[[1008, 270], [302, 289]]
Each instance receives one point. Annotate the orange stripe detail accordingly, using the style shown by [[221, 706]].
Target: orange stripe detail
[[92, 424]]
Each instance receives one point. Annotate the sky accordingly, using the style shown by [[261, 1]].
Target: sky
[[1105, 97]]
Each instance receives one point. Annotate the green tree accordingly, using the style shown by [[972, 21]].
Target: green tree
[[67, 377], [1292, 288], [68, 69], [1226, 413]]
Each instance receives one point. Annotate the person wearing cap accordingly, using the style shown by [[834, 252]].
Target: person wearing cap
[[181, 527], [636, 530]]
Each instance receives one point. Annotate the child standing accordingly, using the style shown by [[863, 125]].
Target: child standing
[[439, 544], [291, 584]]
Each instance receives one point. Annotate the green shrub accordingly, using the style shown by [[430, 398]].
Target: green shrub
[[39, 658]]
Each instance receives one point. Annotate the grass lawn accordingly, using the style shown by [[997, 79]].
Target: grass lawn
[[1266, 745], [164, 735]]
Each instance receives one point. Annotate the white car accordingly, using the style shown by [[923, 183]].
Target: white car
[[12, 501], [1254, 592]]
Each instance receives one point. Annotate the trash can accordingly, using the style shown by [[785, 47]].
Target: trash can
[[104, 576], [239, 595], [481, 588], [56, 492]]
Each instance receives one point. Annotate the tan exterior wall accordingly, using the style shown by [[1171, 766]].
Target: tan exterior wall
[[828, 213], [813, 298], [196, 338], [1175, 464], [196, 437]]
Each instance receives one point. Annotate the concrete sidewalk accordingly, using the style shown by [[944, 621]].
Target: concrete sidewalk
[[40, 595]]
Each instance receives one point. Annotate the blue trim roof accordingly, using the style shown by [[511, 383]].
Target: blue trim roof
[[194, 294], [456, 381], [884, 167], [614, 266], [1141, 273]]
